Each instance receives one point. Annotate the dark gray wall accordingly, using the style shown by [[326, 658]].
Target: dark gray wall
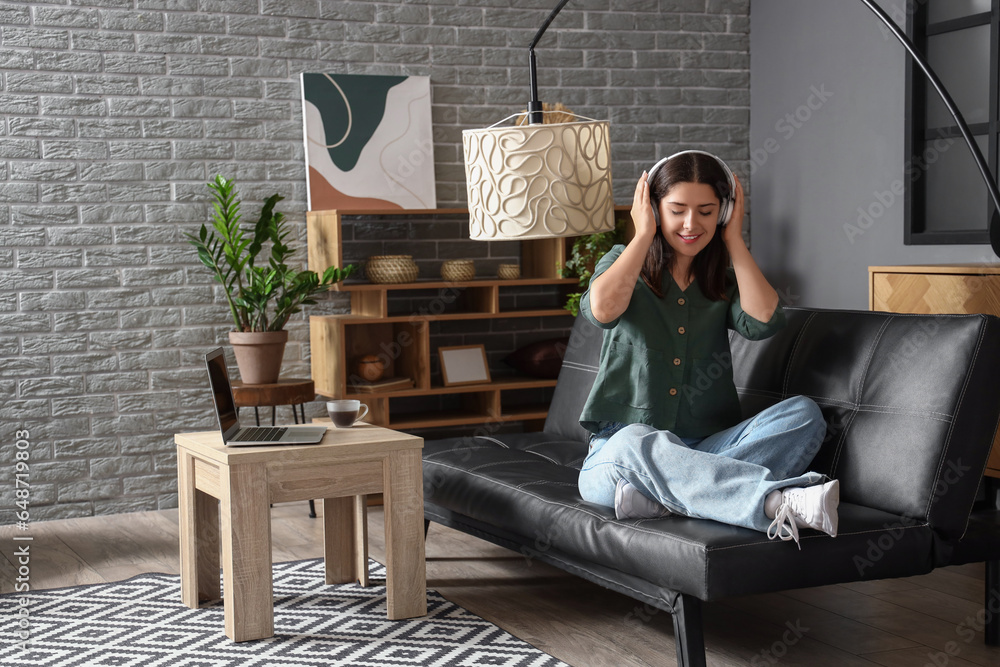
[[114, 113], [825, 179]]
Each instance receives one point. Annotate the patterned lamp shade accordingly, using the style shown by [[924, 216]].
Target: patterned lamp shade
[[539, 181]]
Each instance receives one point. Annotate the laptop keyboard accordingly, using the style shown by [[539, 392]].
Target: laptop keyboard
[[258, 434]]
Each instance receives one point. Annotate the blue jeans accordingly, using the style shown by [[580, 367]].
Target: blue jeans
[[725, 476]]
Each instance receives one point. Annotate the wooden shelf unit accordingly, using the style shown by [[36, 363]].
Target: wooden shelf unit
[[403, 339]]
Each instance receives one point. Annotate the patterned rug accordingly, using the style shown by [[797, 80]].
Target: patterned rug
[[141, 622]]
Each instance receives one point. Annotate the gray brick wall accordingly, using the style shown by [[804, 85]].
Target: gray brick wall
[[116, 112]]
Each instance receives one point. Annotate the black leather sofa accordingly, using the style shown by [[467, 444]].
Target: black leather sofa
[[911, 402]]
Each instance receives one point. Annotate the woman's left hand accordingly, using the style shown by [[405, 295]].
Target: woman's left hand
[[733, 231]]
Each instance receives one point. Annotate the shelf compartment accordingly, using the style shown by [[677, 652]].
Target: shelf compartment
[[471, 407], [443, 284], [337, 344], [467, 300], [540, 312], [526, 402], [498, 384]]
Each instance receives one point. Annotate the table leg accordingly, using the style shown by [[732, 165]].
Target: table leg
[[361, 538], [207, 531], [403, 498], [188, 526], [199, 536], [246, 553], [340, 542]]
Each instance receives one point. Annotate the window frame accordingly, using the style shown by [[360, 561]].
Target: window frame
[[918, 137]]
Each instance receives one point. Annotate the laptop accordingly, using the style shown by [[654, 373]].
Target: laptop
[[225, 408]]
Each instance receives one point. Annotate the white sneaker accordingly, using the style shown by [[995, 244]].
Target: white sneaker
[[798, 507], [631, 504]]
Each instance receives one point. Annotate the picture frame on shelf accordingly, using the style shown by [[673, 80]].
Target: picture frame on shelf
[[464, 364]]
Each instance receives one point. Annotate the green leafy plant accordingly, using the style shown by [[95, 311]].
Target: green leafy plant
[[232, 253], [584, 254]]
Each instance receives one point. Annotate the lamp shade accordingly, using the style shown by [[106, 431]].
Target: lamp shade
[[539, 181]]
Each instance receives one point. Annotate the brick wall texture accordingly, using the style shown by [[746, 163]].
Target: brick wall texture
[[115, 113]]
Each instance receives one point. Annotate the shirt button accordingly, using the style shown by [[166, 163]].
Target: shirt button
[[680, 302], [677, 362], [680, 330], [673, 392]]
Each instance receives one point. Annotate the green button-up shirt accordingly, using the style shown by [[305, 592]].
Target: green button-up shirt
[[666, 362]]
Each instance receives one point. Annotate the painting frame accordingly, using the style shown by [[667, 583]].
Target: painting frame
[[369, 142], [464, 365]]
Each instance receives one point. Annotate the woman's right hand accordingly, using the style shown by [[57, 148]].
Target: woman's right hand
[[643, 218]]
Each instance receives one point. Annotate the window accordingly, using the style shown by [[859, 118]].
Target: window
[[947, 199]]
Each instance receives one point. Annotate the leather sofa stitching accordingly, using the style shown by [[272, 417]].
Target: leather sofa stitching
[[871, 355], [452, 449], [860, 389], [639, 593], [791, 355], [895, 408], [546, 481], [903, 411], [839, 447], [543, 456], [500, 463], [492, 440], [951, 431], [826, 400], [811, 537], [575, 365]]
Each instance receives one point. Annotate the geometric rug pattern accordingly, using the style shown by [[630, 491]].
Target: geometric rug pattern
[[142, 623]]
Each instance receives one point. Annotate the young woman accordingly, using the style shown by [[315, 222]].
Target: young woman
[[667, 436]]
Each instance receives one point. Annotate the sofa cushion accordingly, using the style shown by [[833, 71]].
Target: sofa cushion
[[526, 494], [908, 401], [576, 377]]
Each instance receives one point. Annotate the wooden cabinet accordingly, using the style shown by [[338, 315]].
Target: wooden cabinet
[[401, 336], [939, 290]]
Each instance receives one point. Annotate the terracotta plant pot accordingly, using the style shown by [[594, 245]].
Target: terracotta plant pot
[[258, 354]]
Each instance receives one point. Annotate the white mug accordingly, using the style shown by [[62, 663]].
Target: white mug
[[344, 413]]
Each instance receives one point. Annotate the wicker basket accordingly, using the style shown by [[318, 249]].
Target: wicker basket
[[391, 269], [508, 271], [457, 270]]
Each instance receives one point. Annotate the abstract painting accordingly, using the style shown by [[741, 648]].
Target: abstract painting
[[368, 141]]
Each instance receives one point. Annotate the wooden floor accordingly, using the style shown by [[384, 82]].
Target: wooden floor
[[904, 622]]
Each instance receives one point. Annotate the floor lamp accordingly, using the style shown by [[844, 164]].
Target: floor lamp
[[984, 170]]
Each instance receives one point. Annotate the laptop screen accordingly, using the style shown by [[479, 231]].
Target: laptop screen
[[222, 392]]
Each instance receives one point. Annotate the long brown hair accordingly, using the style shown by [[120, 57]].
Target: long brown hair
[[709, 265]]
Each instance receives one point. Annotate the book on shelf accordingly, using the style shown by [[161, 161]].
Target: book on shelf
[[385, 384]]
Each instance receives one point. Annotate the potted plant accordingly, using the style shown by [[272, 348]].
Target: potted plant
[[261, 295], [583, 258]]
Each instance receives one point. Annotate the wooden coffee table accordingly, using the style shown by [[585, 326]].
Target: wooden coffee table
[[236, 485]]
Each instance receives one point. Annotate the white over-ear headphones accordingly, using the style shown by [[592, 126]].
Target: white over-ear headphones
[[728, 202]]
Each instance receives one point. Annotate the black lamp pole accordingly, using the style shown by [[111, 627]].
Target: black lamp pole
[[984, 170], [534, 106]]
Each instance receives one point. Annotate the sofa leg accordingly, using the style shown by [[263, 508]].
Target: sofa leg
[[688, 632], [992, 629]]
